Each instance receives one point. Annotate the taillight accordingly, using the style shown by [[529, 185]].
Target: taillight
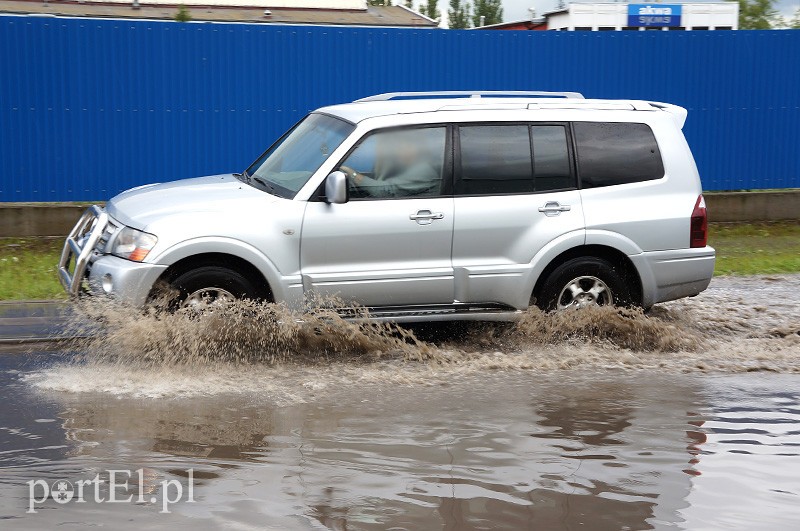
[[698, 235]]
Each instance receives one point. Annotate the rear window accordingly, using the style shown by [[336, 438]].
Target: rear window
[[616, 153]]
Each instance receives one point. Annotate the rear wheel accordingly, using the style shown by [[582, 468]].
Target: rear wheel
[[211, 285], [584, 281]]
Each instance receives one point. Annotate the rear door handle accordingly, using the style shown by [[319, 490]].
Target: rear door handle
[[554, 208], [424, 217]]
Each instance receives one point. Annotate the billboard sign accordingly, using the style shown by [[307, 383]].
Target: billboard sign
[[654, 15]]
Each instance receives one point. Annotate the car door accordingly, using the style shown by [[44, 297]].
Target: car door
[[515, 192], [390, 243]]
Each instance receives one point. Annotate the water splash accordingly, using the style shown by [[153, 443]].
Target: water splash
[[242, 332], [251, 347]]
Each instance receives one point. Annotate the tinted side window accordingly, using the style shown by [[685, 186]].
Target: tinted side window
[[616, 153], [551, 161], [495, 159]]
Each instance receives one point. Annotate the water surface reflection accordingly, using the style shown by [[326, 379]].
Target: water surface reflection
[[507, 450]]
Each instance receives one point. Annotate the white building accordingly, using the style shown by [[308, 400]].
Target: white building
[[654, 16]]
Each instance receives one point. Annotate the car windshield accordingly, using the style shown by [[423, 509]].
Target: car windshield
[[290, 162]]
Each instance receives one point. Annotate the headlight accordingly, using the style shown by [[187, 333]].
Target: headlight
[[133, 244]]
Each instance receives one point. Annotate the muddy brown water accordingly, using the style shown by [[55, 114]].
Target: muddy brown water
[[686, 418]]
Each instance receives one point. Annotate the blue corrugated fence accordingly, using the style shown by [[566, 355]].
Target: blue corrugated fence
[[91, 107]]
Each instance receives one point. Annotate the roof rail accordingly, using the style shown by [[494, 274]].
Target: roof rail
[[470, 93]]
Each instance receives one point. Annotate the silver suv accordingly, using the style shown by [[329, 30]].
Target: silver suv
[[423, 206]]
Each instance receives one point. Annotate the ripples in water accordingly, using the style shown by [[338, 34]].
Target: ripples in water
[[503, 450], [600, 420]]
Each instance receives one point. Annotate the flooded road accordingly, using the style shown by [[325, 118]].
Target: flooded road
[[688, 418]]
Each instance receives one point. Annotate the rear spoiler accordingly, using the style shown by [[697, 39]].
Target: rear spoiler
[[678, 113]]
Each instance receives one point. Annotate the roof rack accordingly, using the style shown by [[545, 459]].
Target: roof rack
[[471, 94]]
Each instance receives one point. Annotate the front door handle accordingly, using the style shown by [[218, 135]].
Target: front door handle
[[424, 217], [554, 208]]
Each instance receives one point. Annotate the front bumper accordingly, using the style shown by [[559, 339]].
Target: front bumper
[[84, 267], [129, 282], [670, 275]]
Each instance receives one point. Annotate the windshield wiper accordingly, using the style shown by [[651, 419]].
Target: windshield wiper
[[263, 183], [247, 178]]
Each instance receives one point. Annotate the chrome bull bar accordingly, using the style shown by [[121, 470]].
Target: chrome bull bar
[[79, 245]]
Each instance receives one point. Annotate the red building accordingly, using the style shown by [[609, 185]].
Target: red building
[[528, 24]]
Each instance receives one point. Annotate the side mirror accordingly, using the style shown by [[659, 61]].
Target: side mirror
[[336, 188]]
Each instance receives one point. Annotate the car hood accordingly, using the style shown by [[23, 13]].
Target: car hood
[[138, 207]]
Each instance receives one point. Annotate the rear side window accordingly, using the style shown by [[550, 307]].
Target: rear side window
[[616, 153], [495, 159], [513, 159], [551, 161]]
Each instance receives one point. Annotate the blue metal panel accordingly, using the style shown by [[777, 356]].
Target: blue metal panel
[[91, 107]]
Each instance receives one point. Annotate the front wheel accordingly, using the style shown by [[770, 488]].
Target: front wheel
[[211, 285], [584, 281]]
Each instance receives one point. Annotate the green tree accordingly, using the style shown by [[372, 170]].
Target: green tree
[[794, 23], [183, 14], [756, 14], [431, 10], [380, 2], [491, 10], [410, 4], [458, 14]]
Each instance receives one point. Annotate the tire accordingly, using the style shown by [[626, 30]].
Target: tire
[[599, 282], [211, 283]]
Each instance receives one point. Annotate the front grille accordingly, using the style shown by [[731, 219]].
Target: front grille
[[105, 237]]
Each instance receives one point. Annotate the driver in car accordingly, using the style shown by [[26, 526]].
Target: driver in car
[[403, 168]]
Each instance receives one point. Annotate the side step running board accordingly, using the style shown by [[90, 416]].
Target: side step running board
[[442, 312]]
